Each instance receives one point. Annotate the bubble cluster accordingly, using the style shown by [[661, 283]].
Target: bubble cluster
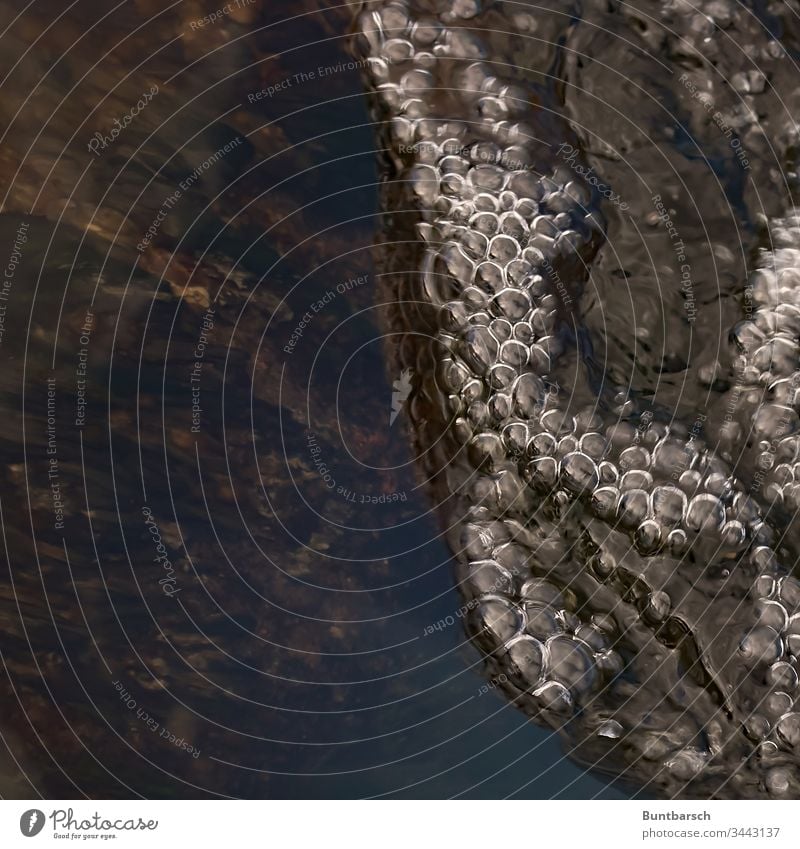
[[765, 352], [625, 581]]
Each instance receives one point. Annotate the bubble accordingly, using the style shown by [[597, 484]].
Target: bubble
[[473, 390], [705, 512], [525, 184], [484, 152], [783, 474], [485, 223], [416, 82], [690, 481], [476, 541], [649, 536], [515, 435], [424, 181], [793, 625], [486, 202], [478, 414], [761, 645], [747, 336], [604, 501], [500, 410], [677, 542], [501, 376], [485, 448], [556, 421], [791, 496], [610, 729], [487, 576], [526, 656], [544, 225], [463, 43], [609, 664], [492, 108], [503, 249], [636, 479], [774, 420], [542, 320], [790, 592], [604, 622], [523, 332], [557, 202], [489, 276], [733, 535], [514, 353], [777, 704], [453, 186], [608, 472], [756, 727], [543, 444], [592, 636], [528, 394], [466, 8], [512, 556], [634, 458], [669, 505], [474, 245], [453, 164], [687, 764], [512, 303], [486, 177], [763, 587], [542, 592], [495, 621], [578, 192], [632, 508], [394, 19], [771, 613], [788, 730], [425, 32], [571, 664], [517, 272], [782, 676], [595, 221], [397, 50], [579, 472], [479, 349], [764, 558], [512, 224], [672, 456], [501, 329], [542, 473], [566, 445], [593, 445], [541, 621], [779, 782], [569, 620], [553, 697]]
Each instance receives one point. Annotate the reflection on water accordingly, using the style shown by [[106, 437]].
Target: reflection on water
[[223, 575]]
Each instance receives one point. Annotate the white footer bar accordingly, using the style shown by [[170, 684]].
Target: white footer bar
[[399, 824]]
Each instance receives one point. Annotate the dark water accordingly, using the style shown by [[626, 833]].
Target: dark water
[[190, 607]]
